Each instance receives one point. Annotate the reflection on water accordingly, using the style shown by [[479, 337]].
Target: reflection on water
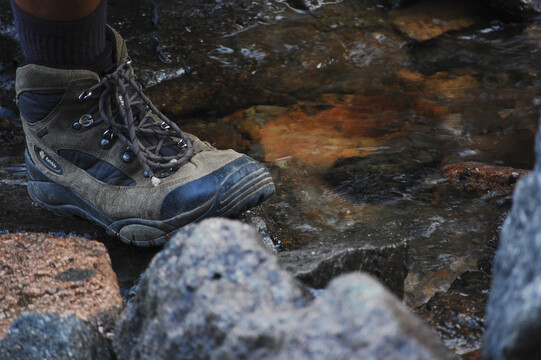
[[12, 174], [12, 168]]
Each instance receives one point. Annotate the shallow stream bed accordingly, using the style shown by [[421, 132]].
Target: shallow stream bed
[[356, 109]]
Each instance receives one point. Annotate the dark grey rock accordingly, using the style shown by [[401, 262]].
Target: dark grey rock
[[457, 315], [382, 178], [518, 8], [216, 293], [384, 256], [354, 318], [53, 337], [513, 325]]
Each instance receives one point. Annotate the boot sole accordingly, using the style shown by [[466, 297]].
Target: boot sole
[[247, 192]]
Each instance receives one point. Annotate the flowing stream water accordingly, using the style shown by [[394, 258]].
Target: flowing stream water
[[356, 109]]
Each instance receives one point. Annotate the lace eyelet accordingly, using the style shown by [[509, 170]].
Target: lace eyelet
[[182, 144], [127, 156], [77, 125], [85, 95], [86, 120], [106, 144], [108, 134], [165, 173]]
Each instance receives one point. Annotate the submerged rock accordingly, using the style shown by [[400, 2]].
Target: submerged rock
[[517, 8], [458, 314], [378, 253], [382, 177], [53, 337], [483, 179], [514, 307], [321, 235], [322, 133], [64, 276], [216, 292], [429, 19]]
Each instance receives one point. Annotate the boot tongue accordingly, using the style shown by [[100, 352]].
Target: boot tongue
[[169, 146], [105, 64]]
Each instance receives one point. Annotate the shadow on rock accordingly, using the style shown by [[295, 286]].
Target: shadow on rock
[[48, 336]]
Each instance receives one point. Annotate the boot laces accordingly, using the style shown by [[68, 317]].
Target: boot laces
[[136, 122]]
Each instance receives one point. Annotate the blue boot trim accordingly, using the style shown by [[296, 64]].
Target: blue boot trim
[[36, 105], [241, 183]]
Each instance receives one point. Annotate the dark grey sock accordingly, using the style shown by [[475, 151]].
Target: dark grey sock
[[65, 44]]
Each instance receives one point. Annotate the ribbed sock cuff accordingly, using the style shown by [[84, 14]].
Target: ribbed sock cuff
[[62, 44]]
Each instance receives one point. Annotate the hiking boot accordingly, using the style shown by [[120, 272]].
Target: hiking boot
[[105, 153]]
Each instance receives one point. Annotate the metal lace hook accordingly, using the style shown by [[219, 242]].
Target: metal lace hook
[[85, 95]]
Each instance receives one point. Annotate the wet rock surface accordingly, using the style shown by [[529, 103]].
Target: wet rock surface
[[215, 292], [463, 308], [359, 245], [458, 315], [48, 336], [425, 20], [64, 276], [518, 8], [379, 178], [514, 307], [483, 179], [317, 265]]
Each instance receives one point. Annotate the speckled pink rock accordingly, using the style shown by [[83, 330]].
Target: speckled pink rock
[[59, 275], [482, 178]]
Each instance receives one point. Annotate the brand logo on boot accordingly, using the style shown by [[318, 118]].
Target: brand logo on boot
[[48, 161]]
